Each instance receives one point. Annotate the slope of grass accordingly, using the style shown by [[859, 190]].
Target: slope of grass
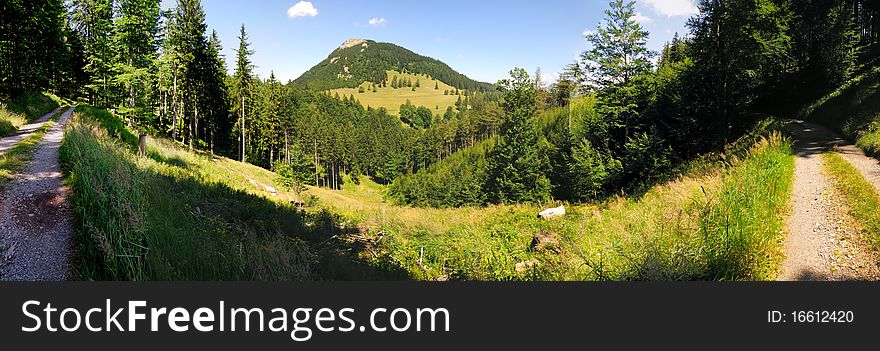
[[712, 225], [861, 197], [853, 109], [17, 157], [176, 215], [34, 105], [10, 121], [391, 99]]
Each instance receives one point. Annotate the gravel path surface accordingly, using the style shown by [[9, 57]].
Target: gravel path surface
[[820, 243], [25, 130], [35, 219]]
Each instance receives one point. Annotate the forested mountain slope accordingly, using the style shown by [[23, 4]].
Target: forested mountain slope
[[359, 60]]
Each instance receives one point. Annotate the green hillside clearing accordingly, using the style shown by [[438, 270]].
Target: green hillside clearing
[[391, 98]]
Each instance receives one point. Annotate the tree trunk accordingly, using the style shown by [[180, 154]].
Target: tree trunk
[[131, 95], [142, 145], [286, 148], [316, 162], [193, 124], [243, 138], [176, 107]]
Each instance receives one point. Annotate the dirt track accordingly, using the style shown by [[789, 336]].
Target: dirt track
[[35, 219], [821, 245]]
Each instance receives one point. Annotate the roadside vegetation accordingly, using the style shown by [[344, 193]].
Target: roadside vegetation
[[853, 109], [14, 114], [176, 215], [713, 223], [862, 199]]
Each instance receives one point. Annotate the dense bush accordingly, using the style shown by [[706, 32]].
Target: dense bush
[[457, 181], [592, 171]]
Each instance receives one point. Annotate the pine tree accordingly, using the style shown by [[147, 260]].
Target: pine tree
[[617, 59], [220, 121], [737, 46], [243, 86], [136, 29], [518, 169], [93, 20]]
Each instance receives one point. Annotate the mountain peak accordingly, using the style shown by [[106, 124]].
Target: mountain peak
[[353, 42], [362, 60]]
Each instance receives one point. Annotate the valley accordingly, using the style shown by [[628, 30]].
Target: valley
[[133, 148]]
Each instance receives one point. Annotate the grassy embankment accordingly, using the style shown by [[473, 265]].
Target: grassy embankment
[[27, 108], [391, 98], [862, 198], [725, 224], [176, 215], [179, 215], [853, 109]]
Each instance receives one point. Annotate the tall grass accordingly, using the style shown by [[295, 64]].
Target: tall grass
[[9, 120], [713, 225], [862, 198], [34, 105], [177, 215], [741, 226], [108, 203], [181, 215]]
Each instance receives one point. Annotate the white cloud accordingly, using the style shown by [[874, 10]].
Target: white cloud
[[459, 56], [642, 19], [376, 21], [302, 9], [672, 8]]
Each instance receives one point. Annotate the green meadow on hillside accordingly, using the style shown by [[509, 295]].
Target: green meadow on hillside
[[391, 98], [180, 215]]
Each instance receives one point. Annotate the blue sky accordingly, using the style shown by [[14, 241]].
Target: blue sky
[[483, 39]]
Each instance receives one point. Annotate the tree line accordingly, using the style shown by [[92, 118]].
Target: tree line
[[612, 121], [740, 59]]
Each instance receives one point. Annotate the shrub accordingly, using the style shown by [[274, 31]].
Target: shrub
[[591, 171]]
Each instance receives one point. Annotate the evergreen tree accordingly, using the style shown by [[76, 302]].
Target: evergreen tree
[[93, 20], [617, 59], [518, 169], [217, 107], [191, 43], [242, 88], [136, 30], [737, 46]]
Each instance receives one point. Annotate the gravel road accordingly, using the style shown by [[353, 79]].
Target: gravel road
[[35, 219], [24, 131], [821, 245]]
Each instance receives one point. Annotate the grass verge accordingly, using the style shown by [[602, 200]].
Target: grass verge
[[34, 105], [861, 197], [176, 215], [10, 121]]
